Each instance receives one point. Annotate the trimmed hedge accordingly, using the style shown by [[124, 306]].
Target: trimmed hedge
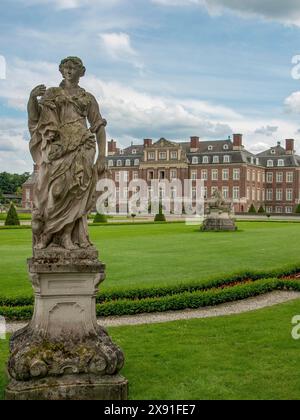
[[186, 300]]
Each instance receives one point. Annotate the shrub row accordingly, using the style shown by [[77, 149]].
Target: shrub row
[[158, 292], [185, 300]]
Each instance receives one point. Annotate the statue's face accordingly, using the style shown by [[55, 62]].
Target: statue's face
[[71, 71]]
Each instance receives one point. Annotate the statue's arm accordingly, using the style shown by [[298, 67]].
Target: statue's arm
[[33, 107], [98, 125]]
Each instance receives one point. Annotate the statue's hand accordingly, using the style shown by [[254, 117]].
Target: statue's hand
[[38, 91], [101, 167]]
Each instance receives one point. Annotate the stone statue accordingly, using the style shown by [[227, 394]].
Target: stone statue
[[219, 214], [64, 353], [64, 149]]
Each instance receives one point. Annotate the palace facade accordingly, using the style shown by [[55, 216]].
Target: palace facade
[[270, 179]]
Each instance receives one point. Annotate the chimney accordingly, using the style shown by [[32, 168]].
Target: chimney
[[290, 146], [237, 141], [112, 147], [147, 142], [195, 143]]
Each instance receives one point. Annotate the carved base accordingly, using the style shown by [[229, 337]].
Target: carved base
[[63, 340], [78, 387], [222, 222]]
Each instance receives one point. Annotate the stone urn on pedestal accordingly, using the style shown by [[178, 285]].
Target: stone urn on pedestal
[[63, 354]]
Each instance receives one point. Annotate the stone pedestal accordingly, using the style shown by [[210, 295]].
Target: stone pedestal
[[64, 353], [219, 221]]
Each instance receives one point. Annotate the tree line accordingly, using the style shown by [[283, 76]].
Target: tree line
[[12, 183]]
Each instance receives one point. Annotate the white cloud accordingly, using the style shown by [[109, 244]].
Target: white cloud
[[292, 103], [118, 47], [287, 12], [267, 130], [69, 4]]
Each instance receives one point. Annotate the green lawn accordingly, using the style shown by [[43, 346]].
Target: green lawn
[[249, 356], [158, 255]]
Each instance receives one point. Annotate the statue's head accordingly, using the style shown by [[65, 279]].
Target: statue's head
[[72, 68]]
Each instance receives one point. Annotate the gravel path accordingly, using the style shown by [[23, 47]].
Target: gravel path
[[231, 308]]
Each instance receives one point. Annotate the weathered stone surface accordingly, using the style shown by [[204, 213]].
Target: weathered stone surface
[[80, 387]]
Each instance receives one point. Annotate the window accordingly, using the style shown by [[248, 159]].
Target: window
[[280, 162], [263, 195], [119, 163], [151, 156], [289, 210], [215, 175], [258, 176], [257, 161], [135, 175], [289, 194], [273, 152], [195, 160], [150, 175], [225, 192], [236, 193], [225, 174], [253, 195], [117, 176], [134, 151], [258, 195], [289, 177], [270, 177], [270, 163], [125, 192], [253, 176], [162, 175], [213, 190], [236, 174], [27, 194], [269, 209], [194, 175], [173, 192], [248, 193], [121, 152], [110, 163], [279, 177], [225, 147], [205, 192], [278, 209], [269, 195], [124, 175], [210, 148], [216, 159], [279, 194], [173, 174], [174, 155], [204, 175], [128, 162], [252, 160], [248, 175], [226, 159], [162, 155], [136, 162]]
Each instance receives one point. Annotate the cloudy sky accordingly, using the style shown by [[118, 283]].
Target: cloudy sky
[[159, 68]]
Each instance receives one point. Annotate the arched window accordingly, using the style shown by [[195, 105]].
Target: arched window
[[270, 163], [205, 159], [280, 162], [195, 160], [128, 162], [226, 159]]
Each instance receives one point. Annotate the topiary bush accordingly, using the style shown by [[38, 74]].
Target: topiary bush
[[297, 211], [261, 210], [100, 218], [160, 217], [12, 218], [252, 209]]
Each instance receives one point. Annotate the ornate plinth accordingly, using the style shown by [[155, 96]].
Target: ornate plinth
[[64, 353], [219, 221]]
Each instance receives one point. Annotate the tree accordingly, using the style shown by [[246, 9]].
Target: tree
[[261, 210], [297, 211], [160, 217], [252, 209], [100, 218], [9, 183], [12, 218]]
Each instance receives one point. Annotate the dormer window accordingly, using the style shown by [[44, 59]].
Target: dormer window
[[280, 162], [273, 151], [257, 161], [210, 148], [128, 162], [136, 162], [225, 147], [270, 163], [119, 163], [205, 159], [216, 159], [134, 151], [110, 163], [195, 160], [226, 159], [121, 152]]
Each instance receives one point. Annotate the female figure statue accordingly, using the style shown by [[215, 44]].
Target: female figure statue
[[64, 148]]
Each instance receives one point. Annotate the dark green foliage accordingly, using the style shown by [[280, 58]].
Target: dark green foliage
[[252, 209], [160, 217], [9, 183], [100, 218], [297, 211], [12, 218], [261, 210]]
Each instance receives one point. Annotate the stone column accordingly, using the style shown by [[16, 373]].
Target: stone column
[[63, 354]]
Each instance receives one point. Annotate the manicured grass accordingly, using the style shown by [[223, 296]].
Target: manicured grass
[[160, 255], [249, 356]]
